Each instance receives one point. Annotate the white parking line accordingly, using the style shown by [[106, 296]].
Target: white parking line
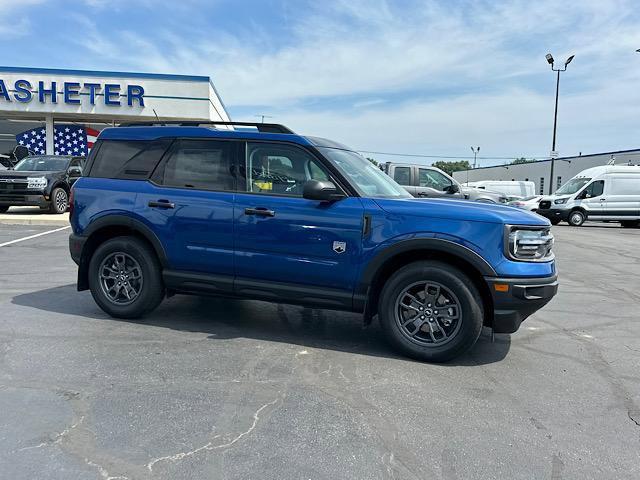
[[34, 236]]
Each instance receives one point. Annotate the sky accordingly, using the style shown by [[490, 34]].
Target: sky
[[402, 76]]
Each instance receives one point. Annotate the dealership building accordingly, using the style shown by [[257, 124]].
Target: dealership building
[[539, 171], [72, 106]]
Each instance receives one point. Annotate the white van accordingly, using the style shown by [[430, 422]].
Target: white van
[[608, 192], [509, 188]]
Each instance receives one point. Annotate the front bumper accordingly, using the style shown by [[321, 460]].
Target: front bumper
[[514, 299], [19, 200], [554, 213]]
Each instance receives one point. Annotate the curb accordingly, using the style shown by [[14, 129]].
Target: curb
[[52, 222]]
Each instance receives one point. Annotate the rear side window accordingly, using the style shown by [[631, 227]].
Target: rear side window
[[402, 175], [201, 164], [128, 159]]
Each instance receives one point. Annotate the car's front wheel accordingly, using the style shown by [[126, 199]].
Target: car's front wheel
[[59, 201], [431, 311], [577, 218], [125, 278]]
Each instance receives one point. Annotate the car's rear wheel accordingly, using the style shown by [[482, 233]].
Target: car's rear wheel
[[431, 311], [125, 278], [59, 201], [577, 218], [4, 209]]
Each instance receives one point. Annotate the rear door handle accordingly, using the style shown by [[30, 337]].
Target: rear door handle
[[263, 212], [162, 204]]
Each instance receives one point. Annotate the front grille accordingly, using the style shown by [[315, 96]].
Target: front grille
[[12, 198], [12, 187], [545, 204]]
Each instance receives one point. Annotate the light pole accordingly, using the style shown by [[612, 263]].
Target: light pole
[[475, 155], [550, 60], [262, 117]]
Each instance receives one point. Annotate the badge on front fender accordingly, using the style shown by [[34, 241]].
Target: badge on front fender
[[339, 247]]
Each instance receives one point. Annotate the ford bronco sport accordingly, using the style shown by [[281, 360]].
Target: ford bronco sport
[[256, 211]]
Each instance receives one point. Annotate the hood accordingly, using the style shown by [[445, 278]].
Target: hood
[[460, 211], [26, 173]]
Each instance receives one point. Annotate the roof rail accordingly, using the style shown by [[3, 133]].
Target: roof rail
[[261, 127]]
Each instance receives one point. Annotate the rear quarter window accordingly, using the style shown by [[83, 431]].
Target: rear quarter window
[[127, 159]]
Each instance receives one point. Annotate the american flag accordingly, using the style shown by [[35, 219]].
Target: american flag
[[69, 139]]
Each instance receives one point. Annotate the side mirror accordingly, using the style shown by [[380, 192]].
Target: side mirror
[[75, 172], [453, 188], [322, 191]]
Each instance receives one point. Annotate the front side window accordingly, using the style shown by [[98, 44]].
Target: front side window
[[75, 166], [200, 164], [42, 164], [279, 169], [433, 179], [593, 190], [402, 175]]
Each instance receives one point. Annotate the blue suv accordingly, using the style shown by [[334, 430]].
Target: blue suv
[[256, 211]]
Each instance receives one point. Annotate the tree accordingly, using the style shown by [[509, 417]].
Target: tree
[[451, 167], [521, 160], [374, 161]]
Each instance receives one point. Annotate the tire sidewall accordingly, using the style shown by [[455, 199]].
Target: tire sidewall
[[152, 288], [449, 277], [576, 214]]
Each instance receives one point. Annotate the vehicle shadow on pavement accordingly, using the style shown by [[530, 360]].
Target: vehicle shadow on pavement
[[227, 318]]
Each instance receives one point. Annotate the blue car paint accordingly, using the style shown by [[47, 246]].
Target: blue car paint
[[295, 244]]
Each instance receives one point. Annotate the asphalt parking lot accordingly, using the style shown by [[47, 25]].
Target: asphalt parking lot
[[216, 388]]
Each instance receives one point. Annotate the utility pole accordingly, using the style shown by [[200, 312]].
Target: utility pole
[[554, 154], [262, 117]]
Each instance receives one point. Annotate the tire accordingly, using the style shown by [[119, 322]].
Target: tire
[[431, 346], [554, 221], [630, 223], [59, 201], [4, 209], [576, 218], [150, 288]]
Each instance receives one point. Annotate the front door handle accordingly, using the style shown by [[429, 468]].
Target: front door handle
[[162, 204], [603, 199], [263, 212]]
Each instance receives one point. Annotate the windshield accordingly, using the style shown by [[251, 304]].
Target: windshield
[[42, 164], [572, 186], [368, 179]]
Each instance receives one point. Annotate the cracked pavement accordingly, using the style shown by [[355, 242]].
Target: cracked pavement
[[228, 389]]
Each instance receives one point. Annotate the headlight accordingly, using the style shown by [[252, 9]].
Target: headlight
[[560, 201], [529, 244], [36, 183]]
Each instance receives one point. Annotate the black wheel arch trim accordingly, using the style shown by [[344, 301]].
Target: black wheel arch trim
[[433, 244], [116, 220], [140, 227]]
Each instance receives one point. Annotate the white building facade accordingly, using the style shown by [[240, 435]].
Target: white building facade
[[37, 98]]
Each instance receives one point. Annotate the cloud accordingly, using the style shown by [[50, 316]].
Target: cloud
[[405, 75], [14, 25]]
